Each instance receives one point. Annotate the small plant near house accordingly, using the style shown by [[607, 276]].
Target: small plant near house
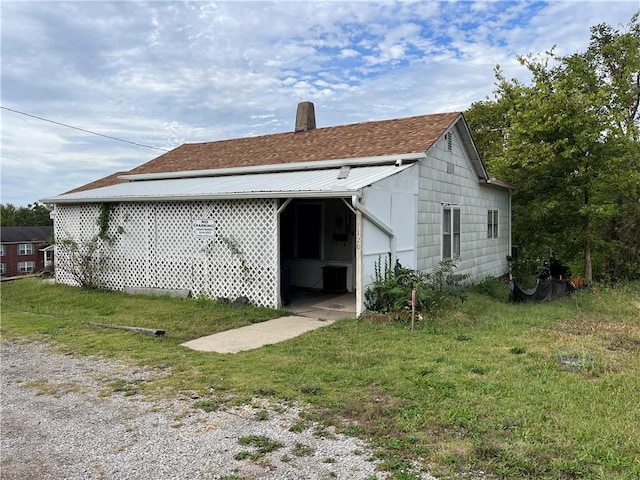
[[392, 288], [87, 260], [493, 287]]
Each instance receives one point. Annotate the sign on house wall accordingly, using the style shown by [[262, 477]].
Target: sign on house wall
[[205, 228]]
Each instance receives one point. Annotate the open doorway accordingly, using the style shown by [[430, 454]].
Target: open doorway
[[321, 305], [317, 254]]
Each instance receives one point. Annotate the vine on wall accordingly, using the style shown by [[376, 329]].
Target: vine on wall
[[87, 260], [236, 251]]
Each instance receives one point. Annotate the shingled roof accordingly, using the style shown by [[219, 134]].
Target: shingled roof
[[25, 234], [359, 140]]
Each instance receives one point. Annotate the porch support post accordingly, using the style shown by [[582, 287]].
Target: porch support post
[[278, 265], [359, 265]]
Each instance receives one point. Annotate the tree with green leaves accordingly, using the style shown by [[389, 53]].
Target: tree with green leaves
[[33, 215], [570, 141]]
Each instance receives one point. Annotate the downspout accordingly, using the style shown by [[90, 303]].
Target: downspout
[[359, 265], [510, 252]]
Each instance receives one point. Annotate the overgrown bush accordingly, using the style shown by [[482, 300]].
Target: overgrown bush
[[87, 260], [493, 287], [391, 290], [527, 271]]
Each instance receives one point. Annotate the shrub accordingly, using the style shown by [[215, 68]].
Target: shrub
[[391, 290], [493, 287], [87, 261]]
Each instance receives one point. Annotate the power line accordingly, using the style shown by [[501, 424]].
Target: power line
[[83, 130]]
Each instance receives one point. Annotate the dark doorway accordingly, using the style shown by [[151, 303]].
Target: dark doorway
[[317, 237], [309, 231]]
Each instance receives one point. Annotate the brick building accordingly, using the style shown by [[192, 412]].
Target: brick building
[[22, 250]]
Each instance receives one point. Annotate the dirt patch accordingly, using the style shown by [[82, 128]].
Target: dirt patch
[[592, 325], [616, 336]]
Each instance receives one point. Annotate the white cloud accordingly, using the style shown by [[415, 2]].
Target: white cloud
[[349, 53], [164, 73]]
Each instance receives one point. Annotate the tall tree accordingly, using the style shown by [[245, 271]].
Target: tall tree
[[617, 57], [569, 140]]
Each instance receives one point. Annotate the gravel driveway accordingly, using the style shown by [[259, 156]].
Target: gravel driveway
[[61, 420]]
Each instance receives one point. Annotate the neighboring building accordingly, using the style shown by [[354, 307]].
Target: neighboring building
[[20, 250], [313, 208]]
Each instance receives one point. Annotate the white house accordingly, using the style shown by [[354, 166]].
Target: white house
[[312, 208]]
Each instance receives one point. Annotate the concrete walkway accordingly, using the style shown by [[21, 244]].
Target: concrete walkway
[[312, 311], [256, 335]]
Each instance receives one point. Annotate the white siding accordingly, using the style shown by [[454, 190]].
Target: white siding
[[394, 201], [480, 256]]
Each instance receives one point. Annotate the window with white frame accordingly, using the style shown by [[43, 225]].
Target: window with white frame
[[26, 267], [3, 268], [3, 250], [25, 249], [492, 223], [450, 232]]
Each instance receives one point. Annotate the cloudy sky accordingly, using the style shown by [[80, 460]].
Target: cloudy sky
[[164, 73]]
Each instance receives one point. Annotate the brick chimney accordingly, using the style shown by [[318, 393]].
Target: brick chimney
[[305, 117]]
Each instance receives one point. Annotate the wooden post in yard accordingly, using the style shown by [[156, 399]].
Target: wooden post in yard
[[413, 309]]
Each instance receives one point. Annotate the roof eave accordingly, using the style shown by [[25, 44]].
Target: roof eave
[[225, 196], [496, 182], [470, 147]]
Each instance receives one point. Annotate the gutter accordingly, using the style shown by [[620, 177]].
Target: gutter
[[499, 183], [192, 197]]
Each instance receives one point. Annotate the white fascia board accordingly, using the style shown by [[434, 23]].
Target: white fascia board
[[191, 198], [495, 182], [398, 159]]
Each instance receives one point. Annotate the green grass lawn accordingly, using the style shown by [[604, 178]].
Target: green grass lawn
[[520, 391]]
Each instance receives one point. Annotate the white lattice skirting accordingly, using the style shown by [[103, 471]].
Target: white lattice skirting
[[160, 246]]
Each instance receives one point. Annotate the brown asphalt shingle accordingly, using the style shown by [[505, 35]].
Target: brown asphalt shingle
[[368, 139]]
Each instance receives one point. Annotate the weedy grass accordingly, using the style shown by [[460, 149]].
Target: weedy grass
[[262, 445], [519, 391]]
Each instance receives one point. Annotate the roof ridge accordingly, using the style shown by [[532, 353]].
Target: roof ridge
[[346, 125], [371, 139]]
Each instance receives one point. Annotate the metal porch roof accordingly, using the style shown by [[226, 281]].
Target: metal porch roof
[[307, 183]]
